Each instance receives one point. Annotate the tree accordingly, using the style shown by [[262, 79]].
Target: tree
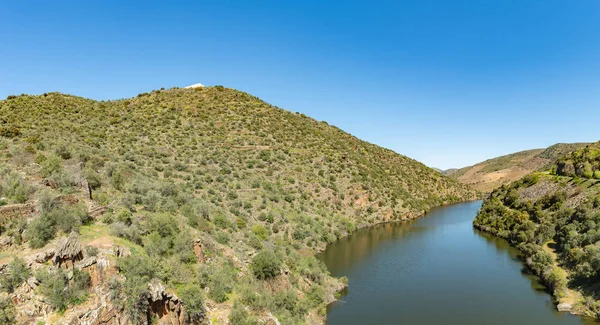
[[15, 274], [192, 297], [265, 265]]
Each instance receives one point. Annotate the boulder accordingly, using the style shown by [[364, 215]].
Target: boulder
[[564, 306]]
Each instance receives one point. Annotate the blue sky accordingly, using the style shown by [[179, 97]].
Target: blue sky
[[449, 83]]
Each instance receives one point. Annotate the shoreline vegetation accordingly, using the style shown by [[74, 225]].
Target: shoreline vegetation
[[553, 218], [206, 201]]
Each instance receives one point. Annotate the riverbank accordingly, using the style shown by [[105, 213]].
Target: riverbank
[[555, 279], [333, 297], [397, 270]]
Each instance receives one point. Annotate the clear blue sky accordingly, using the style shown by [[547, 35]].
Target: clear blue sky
[[449, 83]]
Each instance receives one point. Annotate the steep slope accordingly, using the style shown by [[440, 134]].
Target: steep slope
[[196, 204], [492, 173], [554, 219]]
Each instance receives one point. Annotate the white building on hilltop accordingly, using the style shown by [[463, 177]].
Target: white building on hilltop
[[198, 85]]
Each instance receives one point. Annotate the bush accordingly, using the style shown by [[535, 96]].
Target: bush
[[9, 131], [138, 271], [39, 232], [239, 316], [192, 297], [7, 311], [260, 231], [15, 274], [265, 265], [16, 188], [51, 165], [59, 291], [63, 152]]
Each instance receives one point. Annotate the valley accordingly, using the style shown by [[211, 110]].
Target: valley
[[187, 206]]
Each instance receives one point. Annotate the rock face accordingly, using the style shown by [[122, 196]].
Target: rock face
[[167, 307], [198, 251]]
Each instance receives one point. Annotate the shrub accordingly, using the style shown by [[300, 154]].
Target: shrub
[[39, 232], [93, 178], [138, 271], [91, 251], [239, 316], [16, 188], [265, 265], [51, 165], [260, 231], [192, 297], [10, 131], [63, 152], [157, 245], [7, 311], [15, 274], [59, 291]]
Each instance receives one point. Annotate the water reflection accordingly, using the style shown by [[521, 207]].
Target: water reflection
[[436, 270]]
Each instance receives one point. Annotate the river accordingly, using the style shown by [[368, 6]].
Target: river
[[436, 270]]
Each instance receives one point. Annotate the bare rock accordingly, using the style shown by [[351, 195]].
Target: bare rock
[[271, 320], [32, 282], [69, 250], [6, 241], [157, 290], [563, 306], [42, 257], [122, 251], [199, 251], [86, 262]]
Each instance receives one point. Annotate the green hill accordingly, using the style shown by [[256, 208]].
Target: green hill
[[553, 218], [218, 195]]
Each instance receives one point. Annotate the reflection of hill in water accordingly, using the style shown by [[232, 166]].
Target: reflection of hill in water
[[351, 250]]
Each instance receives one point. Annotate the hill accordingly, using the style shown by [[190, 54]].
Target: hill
[[186, 205], [492, 173], [553, 218]]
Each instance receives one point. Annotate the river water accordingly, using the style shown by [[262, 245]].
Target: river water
[[436, 270]]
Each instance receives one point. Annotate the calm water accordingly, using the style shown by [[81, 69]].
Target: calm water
[[436, 270]]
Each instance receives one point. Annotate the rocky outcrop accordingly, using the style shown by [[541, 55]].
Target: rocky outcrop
[[68, 252], [198, 251], [166, 306], [95, 210]]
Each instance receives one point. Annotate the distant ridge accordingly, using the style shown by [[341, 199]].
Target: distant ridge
[[493, 173]]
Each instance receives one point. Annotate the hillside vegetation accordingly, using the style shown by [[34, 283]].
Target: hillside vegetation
[[554, 219], [186, 205], [492, 173]]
